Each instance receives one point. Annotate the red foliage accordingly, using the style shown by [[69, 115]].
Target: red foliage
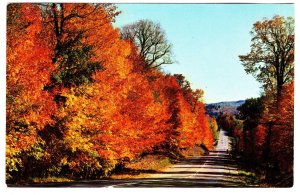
[[269, 141], [29, 107], [123, 111], [282, 144]]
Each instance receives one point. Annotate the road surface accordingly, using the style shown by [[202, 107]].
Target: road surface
[[217, 169], [214, 170]]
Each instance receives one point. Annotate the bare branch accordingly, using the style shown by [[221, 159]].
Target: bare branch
[[151, 42]]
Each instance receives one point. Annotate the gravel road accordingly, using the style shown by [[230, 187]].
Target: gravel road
[[216, 169]]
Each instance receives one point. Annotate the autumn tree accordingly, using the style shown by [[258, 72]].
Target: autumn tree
[[205, 132], [213, 125], [190, 95], [29, 108], [73, 31], [282, 141], [189, 127], [250, 112], [113, 126], [151, 41], [268, 126], [271, 59], [81, 100], [74, 47]]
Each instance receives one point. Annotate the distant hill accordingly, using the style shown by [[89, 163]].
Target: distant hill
[[215, 109]]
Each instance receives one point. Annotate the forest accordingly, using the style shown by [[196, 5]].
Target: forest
[[264, 126], [83, 97]]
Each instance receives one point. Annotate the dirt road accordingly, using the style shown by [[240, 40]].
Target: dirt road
[[216, 169]]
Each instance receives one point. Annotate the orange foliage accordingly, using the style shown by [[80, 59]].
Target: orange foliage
[[189, 125], [113, 126], [274, 137], [259, 140], [28, 107], [283, 131], [269, 141], [121, 112]]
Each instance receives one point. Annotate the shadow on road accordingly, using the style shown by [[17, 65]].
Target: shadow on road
[[216, 169], [213, 171]]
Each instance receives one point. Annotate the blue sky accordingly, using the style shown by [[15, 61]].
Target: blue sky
[[207, 40]]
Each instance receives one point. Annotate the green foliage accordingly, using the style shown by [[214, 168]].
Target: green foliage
[[75, 65], [251, 112]]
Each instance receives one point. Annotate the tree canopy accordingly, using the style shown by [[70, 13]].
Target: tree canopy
[[80, 99], [271, 59], [266, 138]]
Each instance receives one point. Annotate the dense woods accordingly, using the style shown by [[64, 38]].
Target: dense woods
[[84, 98], [264, 127], [81, 98], [267, 136]]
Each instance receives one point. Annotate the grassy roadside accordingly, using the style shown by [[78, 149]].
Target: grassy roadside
[[151, 164], [245, 174], [142, 168], [148, 165], [51, 179]]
